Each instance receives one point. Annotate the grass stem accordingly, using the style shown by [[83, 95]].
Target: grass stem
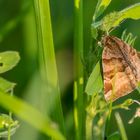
[[121, 126], [78, 68]]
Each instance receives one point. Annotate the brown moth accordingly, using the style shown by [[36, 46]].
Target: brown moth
[[121, 68]]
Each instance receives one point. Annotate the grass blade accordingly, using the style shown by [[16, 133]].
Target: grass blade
[[78, 68], [30, 115], [121, 127], [47, 58], [76, 122]]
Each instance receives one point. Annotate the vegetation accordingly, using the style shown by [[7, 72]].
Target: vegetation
[[59, 89]]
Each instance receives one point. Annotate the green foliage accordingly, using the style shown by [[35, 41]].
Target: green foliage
[[94, 84], [48, 69], [120, 126], [5, 123], [5, 85], [108, 21], [8, 60], [101, 6], [128, 38], [136, 115], [97, 112], [94, 33], [30, 115], [114, 136], [130, 12], [125, 105], [114, 19]]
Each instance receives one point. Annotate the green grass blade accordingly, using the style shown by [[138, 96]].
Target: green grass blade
[[78, 68], [47, 57], [114, 136], [78, 38], [30, 115], [121, 126]]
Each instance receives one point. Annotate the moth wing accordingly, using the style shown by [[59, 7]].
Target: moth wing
[[119, 78]]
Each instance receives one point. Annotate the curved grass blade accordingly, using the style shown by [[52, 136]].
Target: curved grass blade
[[114, 136], [30, 115]]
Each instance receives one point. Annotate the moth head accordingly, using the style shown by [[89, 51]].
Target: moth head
[[108, 40], [104, 40]]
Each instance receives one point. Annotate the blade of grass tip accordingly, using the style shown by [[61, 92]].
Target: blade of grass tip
[[132, 42], [121, 126], [47, 57], [78, 67], [123, 35]]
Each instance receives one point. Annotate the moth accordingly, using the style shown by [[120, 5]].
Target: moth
[[121, 68]]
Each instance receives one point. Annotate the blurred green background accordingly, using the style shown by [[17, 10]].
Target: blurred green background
[[18, 32]]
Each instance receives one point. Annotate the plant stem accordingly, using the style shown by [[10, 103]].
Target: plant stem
[[108, 119], [76, 122], [78, 68], [110, 107], [10, 116], [89, 127], [121, 127]]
